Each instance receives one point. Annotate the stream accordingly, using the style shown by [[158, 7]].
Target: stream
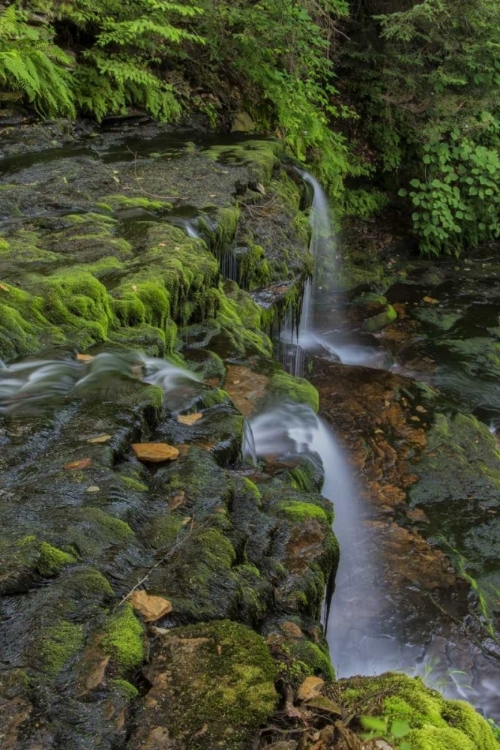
[[391, 396], [367, 629]]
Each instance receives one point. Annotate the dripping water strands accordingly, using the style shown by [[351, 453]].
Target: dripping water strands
[[32, 384], [295, 341]]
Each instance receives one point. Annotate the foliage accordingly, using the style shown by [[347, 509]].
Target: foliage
[[426, 77], [381, 727], [121, 53], [31, 62], [128, 44]]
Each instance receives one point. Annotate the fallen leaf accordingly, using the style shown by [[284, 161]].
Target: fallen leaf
[[84, 358], [213, 195], [431, 300], [4, 288], [310, 688], [261, 188], [421, 409], [186, 521], [83, 463], [150, 607], [155, 453], [162, 244], [134, 287], [177, 500], [93, 488], [189, 419], [99, 439]]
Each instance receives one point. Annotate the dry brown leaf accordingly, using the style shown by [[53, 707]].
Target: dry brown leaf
[[261, 189], [150, 607], [189, 419], [84, 358], [83, 463], [310, 688], [431, 300], [99, 440], [4, 288], [93, 488], [155, 453], [134, 287]]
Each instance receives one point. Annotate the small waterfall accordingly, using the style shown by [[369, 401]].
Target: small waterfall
[[290, 429], [294, 342], [30, 384]]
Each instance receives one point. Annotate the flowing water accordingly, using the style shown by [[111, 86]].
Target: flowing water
[[367, 630], [31, 384]]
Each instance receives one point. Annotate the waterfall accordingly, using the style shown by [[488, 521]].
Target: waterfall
[[294, 342]]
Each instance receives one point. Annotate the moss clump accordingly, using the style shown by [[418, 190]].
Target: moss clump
[[436, 723], [91, 582], [223, 680], [133, 484], [252, 489], [127, 690], [58, 645], [300, 511], [124, 638], [383, 319], [52, 560], [286, 386], [116, 202], [311, 658]]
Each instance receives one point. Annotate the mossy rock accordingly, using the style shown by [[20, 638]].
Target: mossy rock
[[381, 320], [289, 388], [434, 723], [212, 686]]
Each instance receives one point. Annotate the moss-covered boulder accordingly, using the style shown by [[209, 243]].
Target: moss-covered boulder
[[429, 721], [212, 685]]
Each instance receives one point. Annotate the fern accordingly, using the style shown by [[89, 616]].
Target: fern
[[29, 61]]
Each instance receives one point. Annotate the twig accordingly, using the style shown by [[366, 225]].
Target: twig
[[165, 557]]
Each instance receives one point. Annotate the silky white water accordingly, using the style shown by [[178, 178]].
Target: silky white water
[[32, 383]]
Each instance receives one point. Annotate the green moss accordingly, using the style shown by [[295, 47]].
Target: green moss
[[164, 531], [313, 659], [116, 202], [90, 582], [133, 484], [252, 489], [127, 690], [383, 319], [111, 527], [436, 723], [225, 684], [124, 638], [262, 157], [58, 645], [299, 511], [52, 560], [286, 386]]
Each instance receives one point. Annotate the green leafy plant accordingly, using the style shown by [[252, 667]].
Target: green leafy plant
[[380, 727], [30, 62]]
